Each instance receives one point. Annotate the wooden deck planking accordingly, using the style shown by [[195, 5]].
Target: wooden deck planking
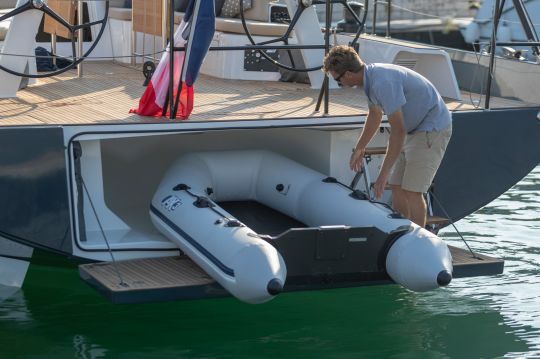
[[107, 92], [151, 273], [467, 265], [170, 278]]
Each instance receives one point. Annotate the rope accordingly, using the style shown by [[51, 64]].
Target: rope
[[115, 266], [453, 225], [476, 106], [225, 218]]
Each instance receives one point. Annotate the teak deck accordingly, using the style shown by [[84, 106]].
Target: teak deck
[[107, 92], [177, 278]]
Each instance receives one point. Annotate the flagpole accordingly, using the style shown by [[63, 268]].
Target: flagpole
[[171, 59], [179, 90], [187, 51], [325, 87]]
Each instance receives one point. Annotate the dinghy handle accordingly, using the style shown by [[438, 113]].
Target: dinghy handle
[[332, 180], [233, 223], [205, 202], [181, 187], [359, 195]]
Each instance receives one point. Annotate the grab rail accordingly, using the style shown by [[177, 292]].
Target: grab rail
[[388, 17]]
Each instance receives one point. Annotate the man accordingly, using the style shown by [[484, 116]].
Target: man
[[420, 126]]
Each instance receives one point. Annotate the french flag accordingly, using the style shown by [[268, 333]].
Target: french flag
[[195, 33]]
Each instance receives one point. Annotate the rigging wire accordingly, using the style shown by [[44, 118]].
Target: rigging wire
[[453, 225], [478, 56], [115, 266]]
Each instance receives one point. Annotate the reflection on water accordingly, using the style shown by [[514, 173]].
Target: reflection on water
[[513, 221], [13, 305], [85, 350], [383, 321], [58, 316]]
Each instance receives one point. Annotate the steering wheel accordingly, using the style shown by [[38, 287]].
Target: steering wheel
[[42, 6], [302, 5]]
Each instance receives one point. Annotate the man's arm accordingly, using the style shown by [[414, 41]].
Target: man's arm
[[373, 122], [398, 133]]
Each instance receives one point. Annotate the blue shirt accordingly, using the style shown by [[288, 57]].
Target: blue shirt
[[393, 87]]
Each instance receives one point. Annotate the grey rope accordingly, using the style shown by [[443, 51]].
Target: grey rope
[[453, 225], [115, 266], [478, 56]]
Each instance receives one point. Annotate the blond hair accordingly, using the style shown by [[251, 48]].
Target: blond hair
[[342, 58]]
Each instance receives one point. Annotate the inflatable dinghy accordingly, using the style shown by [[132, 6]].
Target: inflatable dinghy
[[184, 208]]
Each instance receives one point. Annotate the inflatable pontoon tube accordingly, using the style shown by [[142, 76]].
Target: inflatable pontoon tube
[[216, 241]]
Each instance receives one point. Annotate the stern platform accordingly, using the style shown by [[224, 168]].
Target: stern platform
[[179, 278]]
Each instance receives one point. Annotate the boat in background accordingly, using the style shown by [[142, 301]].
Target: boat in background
[[78, 172], [437, 23], [517, 26]]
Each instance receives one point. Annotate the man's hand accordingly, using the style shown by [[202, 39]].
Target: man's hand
[[378, 186], [373, 122], [356, 160]]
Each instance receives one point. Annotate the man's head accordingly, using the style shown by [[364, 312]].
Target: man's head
[[341, 63]]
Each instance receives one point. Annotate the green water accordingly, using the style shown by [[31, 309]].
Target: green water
[[56, 315]]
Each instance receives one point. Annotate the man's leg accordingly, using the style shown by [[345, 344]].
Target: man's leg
[[399, 201], [417, 207], [423, 152]]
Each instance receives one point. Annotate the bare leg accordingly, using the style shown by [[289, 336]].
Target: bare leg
[[417, 207], [399, 201]]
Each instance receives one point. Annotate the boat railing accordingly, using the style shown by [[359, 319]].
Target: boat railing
[[388, 16]]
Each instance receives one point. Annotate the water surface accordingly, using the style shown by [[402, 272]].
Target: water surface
[[56, 315]]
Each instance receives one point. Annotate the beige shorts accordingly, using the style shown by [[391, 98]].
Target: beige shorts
[[419, 160]]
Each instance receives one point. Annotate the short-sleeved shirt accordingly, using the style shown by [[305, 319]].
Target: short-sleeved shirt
[[393, 87]]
